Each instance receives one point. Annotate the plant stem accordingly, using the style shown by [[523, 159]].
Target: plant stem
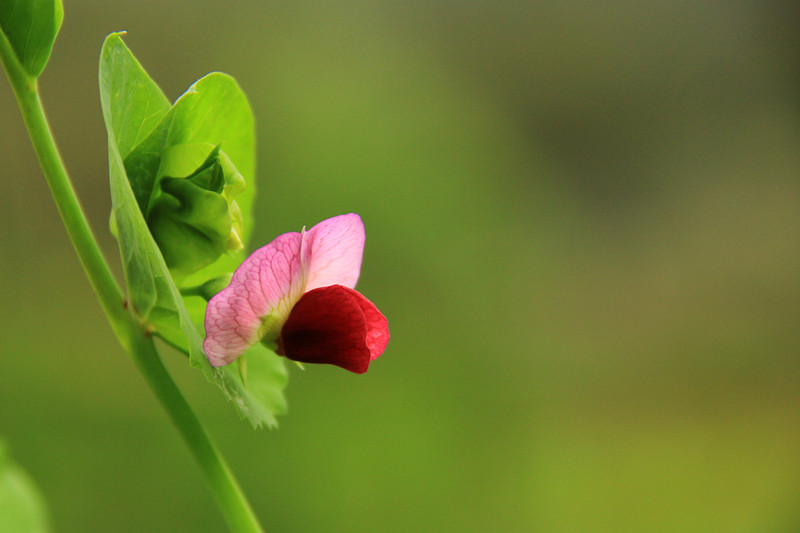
[[78, 229], [226, 490], [132, 334]]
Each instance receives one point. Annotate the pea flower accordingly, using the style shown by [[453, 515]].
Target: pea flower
[[296, 295]]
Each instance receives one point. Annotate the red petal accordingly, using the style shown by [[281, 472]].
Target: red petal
[[335, 325]]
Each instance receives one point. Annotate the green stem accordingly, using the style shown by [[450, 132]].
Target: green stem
[[132, 334], [78, 229], [226, 490]]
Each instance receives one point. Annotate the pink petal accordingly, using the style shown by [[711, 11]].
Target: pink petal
[[269, 282], [335, 325], [332, 252]]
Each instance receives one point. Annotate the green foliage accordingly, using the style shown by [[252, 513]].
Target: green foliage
[[158, 141], [22, 508], [31, 27], [143, 165]]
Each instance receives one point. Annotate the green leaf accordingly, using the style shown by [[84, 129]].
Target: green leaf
[[214, 110], [151, 288], [140, 105], [31, 27], [22, 508]]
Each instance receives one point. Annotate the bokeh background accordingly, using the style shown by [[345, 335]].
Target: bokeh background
[[583, 223]]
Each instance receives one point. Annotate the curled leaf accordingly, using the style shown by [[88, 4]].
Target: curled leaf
[[194, 218]]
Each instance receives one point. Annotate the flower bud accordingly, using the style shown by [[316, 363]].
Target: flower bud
[[192, 214]]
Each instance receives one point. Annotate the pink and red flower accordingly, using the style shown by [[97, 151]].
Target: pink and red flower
[[297, 293]]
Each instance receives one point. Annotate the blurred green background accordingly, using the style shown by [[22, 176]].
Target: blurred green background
[[583, 222]]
